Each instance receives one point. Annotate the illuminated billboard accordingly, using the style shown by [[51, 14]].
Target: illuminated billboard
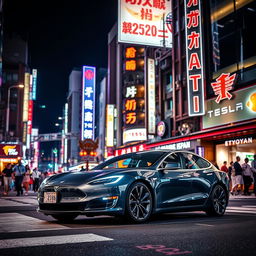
[[88, 102], [34, 84], [151, 97], [26, 97], [194, 58], [110, 125], [145, 22]]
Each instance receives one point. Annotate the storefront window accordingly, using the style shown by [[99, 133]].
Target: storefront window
[[233, 39]]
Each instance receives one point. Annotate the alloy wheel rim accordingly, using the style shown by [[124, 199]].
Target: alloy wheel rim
[[219, 200], [140, 202]]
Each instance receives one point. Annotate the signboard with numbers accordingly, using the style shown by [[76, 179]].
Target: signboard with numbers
[[88, 98], [145, 22], [195, 71]]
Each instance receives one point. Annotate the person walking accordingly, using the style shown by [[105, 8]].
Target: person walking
[[232, 176], [18, 172], [247, 176], [35, 176], [7, 175], [253, 163], [239, 175], [26, 179], [224, 167]]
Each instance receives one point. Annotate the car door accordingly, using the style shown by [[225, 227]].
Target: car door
[[174, 183], [202, 177]]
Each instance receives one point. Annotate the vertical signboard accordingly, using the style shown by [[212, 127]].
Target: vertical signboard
[[26, 97], [65, 157], [30, 116], [151, 97], [110, 125], [34, 84], [194, 57], [133, 93], [147, 22], [88, 98]]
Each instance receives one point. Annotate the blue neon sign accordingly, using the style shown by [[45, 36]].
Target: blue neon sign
[[88, 102]]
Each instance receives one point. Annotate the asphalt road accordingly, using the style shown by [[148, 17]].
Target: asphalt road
[[23, 231]]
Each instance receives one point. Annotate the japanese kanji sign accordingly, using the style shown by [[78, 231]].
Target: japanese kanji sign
[[88, 98], [145, 22], [195, 72], [223, 85]]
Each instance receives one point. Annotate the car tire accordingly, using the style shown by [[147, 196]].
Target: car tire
[[217, 202], [64, 217], [139, 203]]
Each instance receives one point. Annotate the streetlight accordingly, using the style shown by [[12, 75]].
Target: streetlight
[[8, 105]]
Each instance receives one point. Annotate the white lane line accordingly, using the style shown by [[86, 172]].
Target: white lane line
[[206, 225], [51, 240], [251, 206], [240, 211], [15, 222], [241, 208]]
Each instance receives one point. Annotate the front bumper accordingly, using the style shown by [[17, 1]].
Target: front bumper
[[102, 201]]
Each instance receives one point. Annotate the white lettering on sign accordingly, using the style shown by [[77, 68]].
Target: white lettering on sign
[[238, 141], [225, 110], [175, 146]]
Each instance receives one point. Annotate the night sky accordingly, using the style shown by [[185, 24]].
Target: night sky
[[61, 35]]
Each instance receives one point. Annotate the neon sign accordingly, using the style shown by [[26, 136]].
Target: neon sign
[[195, 72], [88, 101]]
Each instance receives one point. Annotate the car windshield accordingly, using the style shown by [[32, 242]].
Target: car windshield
[[133, 160]]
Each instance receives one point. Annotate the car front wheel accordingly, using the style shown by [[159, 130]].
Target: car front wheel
[[139, 203], [218, 202]]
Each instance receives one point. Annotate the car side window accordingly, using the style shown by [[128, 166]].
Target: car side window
[[171, 161], [195, 162], [190, 161]]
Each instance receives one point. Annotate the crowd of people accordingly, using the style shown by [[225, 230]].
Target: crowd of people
[[242, 176], [20, 177]]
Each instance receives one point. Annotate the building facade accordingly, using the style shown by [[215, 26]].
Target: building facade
[[205, 84]]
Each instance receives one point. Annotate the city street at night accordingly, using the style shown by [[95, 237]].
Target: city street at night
[[127, 127], [23, 231]]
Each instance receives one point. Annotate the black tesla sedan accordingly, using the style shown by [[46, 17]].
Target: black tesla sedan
[[137, 185]]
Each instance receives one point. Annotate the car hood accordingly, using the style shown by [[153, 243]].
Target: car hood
[[79, 178]]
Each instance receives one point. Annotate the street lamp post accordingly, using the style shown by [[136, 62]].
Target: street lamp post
[[8, 106]]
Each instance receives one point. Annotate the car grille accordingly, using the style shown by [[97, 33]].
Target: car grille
[[63, 193]]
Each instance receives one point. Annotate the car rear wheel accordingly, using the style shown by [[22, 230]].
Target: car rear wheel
[[66, 217], [139, 203], [218, 202]]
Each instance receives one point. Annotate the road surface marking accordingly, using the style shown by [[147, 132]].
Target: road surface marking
[[249, 209], [206, 225], [51, 240], [15, 222]]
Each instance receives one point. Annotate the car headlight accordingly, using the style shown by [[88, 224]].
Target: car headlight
[[106, 180]]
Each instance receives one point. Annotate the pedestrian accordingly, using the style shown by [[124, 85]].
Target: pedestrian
[[7, 175], [247, 176], [224, 167], [26, 179], [18, 173], [253, 164], [232, 176], [36, 176], [239, 176]]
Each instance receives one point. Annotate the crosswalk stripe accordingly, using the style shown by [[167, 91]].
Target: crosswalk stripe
[[240, 211], [16, 222], [242, 208], [51, 240]]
